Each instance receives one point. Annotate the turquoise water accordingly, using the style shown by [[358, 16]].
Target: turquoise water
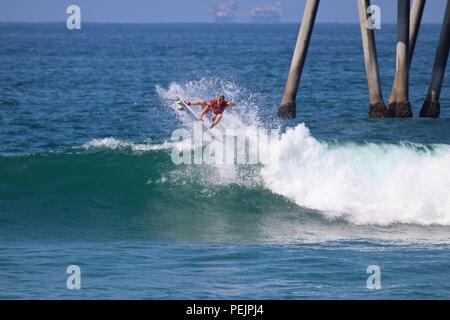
[[86, 176]]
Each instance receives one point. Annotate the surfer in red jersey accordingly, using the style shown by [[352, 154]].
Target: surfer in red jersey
[[216, 106]]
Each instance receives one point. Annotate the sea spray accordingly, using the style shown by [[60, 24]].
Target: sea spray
[[247, 146]]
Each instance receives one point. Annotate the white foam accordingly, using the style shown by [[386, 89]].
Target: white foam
[[113, 144], [366, 184]]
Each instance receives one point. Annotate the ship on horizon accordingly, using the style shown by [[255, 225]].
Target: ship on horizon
[[224, 11], [268, 12]]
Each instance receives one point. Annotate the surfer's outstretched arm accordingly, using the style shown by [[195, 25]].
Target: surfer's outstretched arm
[[205, 110], [231, 104]]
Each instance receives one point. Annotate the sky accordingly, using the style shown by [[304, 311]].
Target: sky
[[156, 11]]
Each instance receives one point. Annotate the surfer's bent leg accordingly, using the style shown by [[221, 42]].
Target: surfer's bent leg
[[199, 103], [204, 111], [216, 120]]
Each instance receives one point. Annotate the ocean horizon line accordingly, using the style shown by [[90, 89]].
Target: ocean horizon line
[[201, 22]]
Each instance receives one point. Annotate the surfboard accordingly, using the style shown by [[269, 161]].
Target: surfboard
[[192, 112]]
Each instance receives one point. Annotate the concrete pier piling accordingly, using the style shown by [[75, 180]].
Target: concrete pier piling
[[377, 108], [288, 107], [399, 105], [431, 107]]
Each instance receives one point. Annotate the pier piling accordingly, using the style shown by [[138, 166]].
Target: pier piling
[[288, 107], [399, 105], [377, 107], [431, 107]]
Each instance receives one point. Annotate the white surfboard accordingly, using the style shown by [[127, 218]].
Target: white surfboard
[[193, 114]]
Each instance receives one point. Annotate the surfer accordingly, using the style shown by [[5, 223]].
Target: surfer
[[216, 106]]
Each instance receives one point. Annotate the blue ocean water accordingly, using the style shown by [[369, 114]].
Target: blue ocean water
[[86, 176]]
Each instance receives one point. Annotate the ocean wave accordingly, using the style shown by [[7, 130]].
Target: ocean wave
[[363, 184]]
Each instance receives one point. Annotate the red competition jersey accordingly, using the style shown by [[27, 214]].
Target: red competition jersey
[[216, 108]]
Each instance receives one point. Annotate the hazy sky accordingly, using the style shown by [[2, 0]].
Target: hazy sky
[[190, 10]]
